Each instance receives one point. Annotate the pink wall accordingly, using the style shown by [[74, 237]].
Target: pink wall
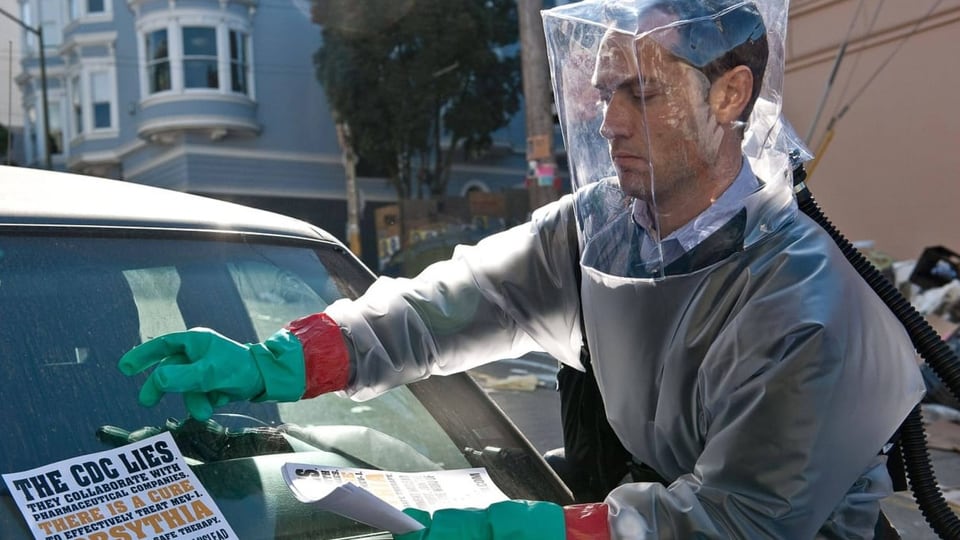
[[892, 171]]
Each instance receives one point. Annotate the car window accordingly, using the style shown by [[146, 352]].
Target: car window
[[76, 304], [70, 306], [274, 296]]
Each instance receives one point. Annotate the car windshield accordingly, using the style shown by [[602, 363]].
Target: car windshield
[[71, 305]]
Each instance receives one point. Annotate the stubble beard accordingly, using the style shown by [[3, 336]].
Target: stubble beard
[[636, 184]]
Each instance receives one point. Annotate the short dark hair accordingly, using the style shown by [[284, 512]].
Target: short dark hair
[[720, 35], [752, 52]]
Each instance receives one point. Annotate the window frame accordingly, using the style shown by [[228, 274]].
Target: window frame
[[57, 108], [75, 91], [56, 113], [241, 61], [151, 63], [106, 7], [200, 58], [175, 25], [110, 100], [80, 84], [79, 10]]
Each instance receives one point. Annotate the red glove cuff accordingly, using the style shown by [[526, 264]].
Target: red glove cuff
[[586, 521], [325, 356]]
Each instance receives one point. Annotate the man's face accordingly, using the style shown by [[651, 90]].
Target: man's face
[[662, 136]]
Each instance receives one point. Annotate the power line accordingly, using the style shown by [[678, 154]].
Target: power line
[[828, 86], [889, 57], [831, 126], [856, 59]]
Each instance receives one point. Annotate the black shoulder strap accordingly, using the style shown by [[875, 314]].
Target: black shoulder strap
[[574, 242], [590, 445]]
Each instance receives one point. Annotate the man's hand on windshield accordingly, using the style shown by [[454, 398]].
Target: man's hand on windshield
[[211, 370], [307, 358]]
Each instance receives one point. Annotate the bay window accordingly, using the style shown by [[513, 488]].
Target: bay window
[[196, 53]]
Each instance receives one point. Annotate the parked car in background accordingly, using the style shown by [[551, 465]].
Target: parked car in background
[[91, 267]]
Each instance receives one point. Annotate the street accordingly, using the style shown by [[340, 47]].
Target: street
[[524, 389]]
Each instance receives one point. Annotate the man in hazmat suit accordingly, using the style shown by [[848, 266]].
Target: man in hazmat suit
[[737, 353]]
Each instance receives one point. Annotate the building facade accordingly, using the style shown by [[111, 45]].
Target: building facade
[[885, 131], [217, 97]]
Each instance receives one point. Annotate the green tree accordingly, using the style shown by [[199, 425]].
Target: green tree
[[418, 81]]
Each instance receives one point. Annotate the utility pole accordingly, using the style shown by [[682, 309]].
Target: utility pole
[[350, 169], [9, 149], [536, 98], [38, 31]]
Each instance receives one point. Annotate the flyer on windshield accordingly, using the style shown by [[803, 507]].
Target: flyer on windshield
[[140, 490], [377, 497]]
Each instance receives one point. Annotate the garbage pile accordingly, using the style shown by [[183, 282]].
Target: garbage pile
[[932, 285]]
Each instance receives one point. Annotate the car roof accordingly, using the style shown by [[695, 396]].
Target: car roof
[[35, 197]]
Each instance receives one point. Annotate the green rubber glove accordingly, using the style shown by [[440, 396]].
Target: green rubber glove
[[211, 370], [514, 520]]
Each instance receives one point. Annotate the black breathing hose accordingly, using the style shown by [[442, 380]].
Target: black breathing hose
[[932, 349]]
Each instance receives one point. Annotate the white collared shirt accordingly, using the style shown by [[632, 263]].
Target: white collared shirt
[[696, 230]]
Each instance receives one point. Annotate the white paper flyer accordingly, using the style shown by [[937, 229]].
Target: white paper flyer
[[140, 490], [377, 497]]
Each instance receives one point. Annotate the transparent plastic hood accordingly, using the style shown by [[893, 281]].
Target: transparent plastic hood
[[670, 104]]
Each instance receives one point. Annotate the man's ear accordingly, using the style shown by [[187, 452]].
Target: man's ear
[[730, 94]]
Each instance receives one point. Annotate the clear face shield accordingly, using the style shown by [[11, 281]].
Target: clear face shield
[[670, 114]]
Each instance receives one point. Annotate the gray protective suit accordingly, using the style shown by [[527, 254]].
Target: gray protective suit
[[762, 385]]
